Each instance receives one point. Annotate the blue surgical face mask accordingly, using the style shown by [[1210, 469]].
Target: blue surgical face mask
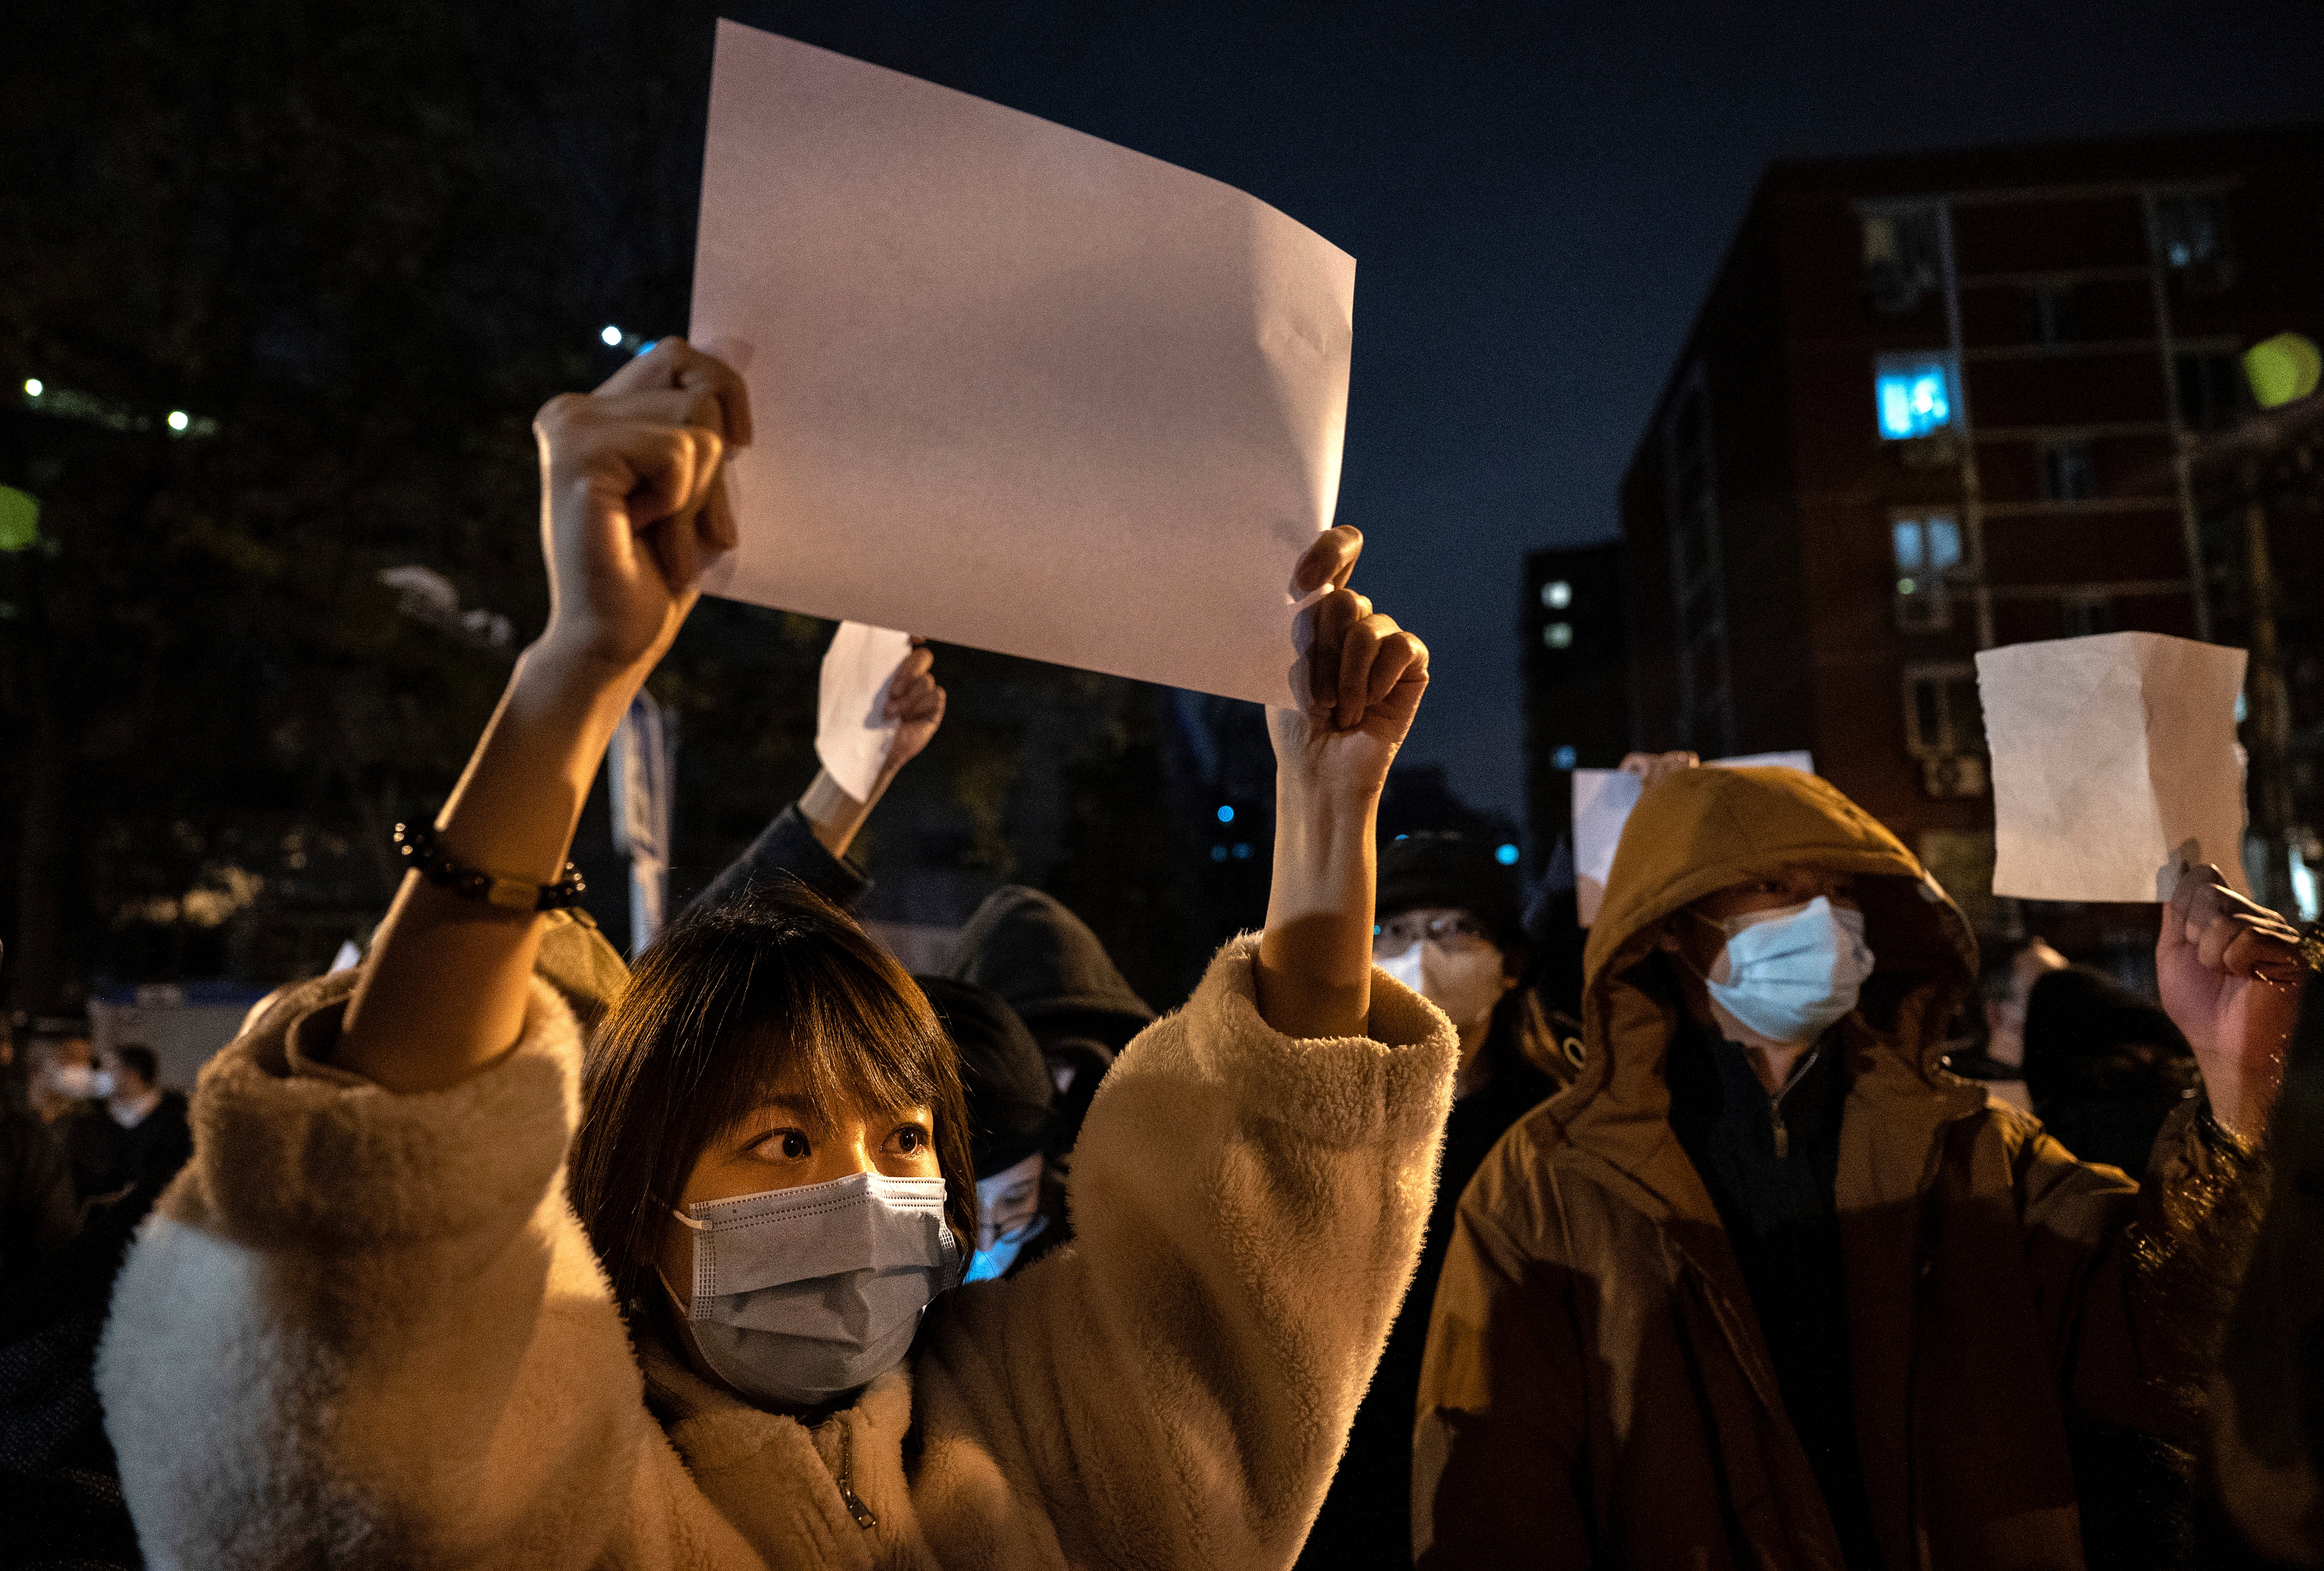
[[990, 1265], [803, 1295], [1786, 975]]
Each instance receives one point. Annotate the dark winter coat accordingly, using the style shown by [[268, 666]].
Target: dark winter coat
[[1598, 1390]]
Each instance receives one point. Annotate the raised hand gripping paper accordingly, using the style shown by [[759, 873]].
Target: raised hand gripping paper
[[852, 732]]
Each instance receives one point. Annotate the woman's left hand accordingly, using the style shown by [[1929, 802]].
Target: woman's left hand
[[1361, 674], [2230, 974]]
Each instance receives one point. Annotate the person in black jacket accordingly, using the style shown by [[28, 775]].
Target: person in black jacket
[[137, 1136], [1045, 964], [1448, 926]]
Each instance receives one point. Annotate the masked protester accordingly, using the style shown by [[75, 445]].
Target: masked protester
[[1045, 964], [1450, 929], [1766, 1286], [1011, 1120], [376, 1323]]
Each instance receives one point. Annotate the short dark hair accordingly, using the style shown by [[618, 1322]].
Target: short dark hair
[[140, 1058], [726, 1004]]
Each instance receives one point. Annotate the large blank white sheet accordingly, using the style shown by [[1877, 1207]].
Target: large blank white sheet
[[1014, 387], [2114, 765]]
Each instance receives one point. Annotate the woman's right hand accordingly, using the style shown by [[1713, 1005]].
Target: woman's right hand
[[630, 505]]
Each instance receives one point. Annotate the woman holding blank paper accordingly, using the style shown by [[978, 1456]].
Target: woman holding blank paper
[[376, 1323]]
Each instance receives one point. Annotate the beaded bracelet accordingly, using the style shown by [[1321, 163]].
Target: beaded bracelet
[[416, 843]]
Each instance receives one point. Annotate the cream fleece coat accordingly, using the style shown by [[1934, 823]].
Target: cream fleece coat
[[367, 1329]]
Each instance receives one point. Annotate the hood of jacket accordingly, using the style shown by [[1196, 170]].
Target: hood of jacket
[[1708, 830], [1045, 962]]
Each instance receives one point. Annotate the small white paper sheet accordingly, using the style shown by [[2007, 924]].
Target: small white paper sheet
[[2114, 765], [1013, 387], [1602, 800], [852, 732]]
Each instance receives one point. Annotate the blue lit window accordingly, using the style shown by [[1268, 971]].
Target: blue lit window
[[1915, 395], [1565, 758], [1506, 856], [1226, 814]]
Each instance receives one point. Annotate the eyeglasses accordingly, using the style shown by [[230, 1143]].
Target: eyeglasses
[[1448, 929], [1016, 1233]]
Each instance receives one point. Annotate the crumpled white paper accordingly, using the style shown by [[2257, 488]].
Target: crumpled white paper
[[1602, 800], [2114, 765], [853, 733], [1013, 387]]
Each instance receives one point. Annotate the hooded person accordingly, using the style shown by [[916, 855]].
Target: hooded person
[[1045, 964], [1766, 1286], [1450, 926], [1012, 1118], [2104, 1066]]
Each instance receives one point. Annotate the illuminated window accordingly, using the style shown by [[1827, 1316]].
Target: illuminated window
[[1557, 594], [1558, 635], [1565, 758], [1914, 394], [1927, 551]]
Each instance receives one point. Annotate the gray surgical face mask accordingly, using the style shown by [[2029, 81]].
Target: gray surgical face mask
[[803, 1295]]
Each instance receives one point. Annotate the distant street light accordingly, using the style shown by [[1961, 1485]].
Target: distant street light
[[33, 387], [179, 420], [611, 337]]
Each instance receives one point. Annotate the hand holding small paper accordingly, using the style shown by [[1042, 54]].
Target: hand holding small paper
[[2230, 974], [874, 679], [916, 703]]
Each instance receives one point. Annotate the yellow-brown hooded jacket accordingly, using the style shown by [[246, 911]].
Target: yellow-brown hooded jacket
[[1597, 1390]]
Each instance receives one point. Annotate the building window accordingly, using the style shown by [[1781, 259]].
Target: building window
[[1944, 728], [2067, 475], [1556, 594], [1942, 717], [1903, 253], [2210, 390], [2085, 615], [1927, 549], [2053, 313], [1914, 394], [1565, 758], [2190, 240], [1558, 635]]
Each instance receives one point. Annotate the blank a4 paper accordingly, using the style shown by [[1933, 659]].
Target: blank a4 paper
[[2114, 762], [1013, 387]]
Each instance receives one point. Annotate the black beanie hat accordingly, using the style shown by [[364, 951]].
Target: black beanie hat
[[2077, 1021], [1009, 1092], [1419, 872]]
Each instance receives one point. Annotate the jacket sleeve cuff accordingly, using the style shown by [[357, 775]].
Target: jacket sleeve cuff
[[292, 1151], [788, 848], [1396, 1082]]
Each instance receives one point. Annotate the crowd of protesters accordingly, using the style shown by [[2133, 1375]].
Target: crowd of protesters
[[1771, 1229]]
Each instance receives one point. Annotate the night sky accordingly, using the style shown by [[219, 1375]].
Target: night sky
[[1536, 196]]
